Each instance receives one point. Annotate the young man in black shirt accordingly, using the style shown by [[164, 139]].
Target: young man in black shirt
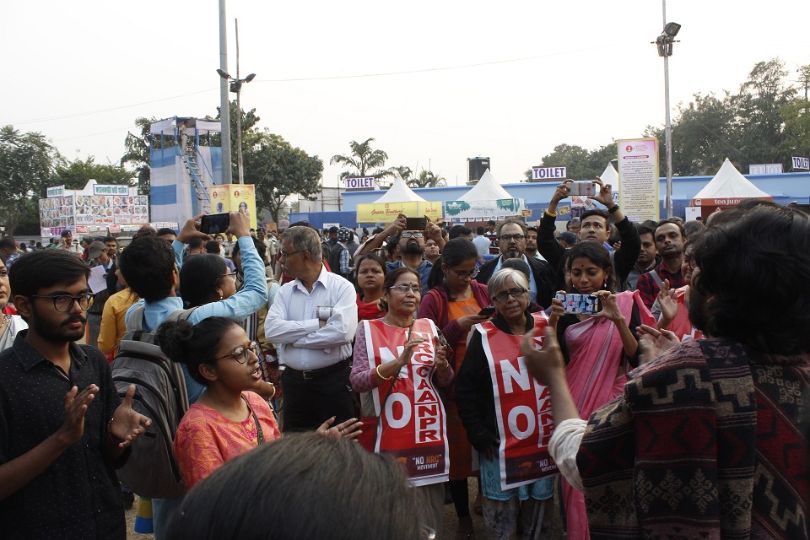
[[63, 428]]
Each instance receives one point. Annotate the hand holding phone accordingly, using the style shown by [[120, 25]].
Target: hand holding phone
[[488, 311], [583, 188], [215, 223], [579, 304]]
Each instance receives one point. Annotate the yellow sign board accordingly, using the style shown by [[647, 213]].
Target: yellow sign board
[[388, 212], [233, 198]]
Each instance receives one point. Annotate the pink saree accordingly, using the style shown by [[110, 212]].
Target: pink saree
[[595, 350]]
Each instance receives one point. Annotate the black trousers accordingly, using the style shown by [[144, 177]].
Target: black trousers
[[311, 398]]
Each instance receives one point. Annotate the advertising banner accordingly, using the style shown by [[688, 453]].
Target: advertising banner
[[233, 198], [483, 210], [638, 179], [388, 212]]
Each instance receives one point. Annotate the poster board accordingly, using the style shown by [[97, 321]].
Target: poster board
[[639, 179], [82, 211], [233, 198]]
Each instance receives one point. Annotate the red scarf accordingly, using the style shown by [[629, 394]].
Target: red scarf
[[522, 407]]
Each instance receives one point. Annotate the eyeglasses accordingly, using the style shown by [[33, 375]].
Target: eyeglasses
[[242, 354], [412, 234], [403, 289], [510, 237], [64, 302], [465, 275], [515, 293], [229, 274], [282, 253]]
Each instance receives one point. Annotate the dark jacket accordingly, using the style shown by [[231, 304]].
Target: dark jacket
[[544, 276], [474, 396], [623, 259]]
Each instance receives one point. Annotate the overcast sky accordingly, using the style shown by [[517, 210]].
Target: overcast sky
[[508, 80]]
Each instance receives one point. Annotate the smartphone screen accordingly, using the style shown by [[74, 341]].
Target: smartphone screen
[[583, 188], [215, 223], [580, 304], [488, 311], [416, 224]]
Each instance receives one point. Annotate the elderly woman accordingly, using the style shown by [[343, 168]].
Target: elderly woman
[[9, 324], [501, 415], [398, 362]]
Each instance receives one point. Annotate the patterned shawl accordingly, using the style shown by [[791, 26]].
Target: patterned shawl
[[705, 442]]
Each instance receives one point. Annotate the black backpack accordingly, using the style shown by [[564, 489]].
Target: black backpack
[[151, 470]]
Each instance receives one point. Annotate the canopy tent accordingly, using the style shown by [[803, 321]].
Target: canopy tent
[[727, 188], [610, 176], [399, 199], [485, 200]]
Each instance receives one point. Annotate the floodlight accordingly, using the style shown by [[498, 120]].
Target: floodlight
[[672, 29]]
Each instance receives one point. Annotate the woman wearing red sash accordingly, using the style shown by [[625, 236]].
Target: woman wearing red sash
[[479, 408], [396, 360], [598, 350], [453, 303]]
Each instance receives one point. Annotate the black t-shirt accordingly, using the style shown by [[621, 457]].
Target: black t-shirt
[[78, 495]]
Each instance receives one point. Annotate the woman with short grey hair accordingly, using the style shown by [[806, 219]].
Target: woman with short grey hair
[[513, 477]]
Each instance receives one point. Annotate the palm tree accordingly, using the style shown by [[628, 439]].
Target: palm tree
[[427, 179], [363, 161]]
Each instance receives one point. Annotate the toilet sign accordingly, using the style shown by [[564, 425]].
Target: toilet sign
[[548, 173], [801, 163]]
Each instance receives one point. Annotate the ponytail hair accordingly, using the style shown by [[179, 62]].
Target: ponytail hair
[[193, 345]]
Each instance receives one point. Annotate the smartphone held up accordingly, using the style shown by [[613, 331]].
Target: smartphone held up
[[579, 304]]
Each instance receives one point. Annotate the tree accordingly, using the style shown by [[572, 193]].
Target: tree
[[363, 161], [27, 162], [279, 170], [404, 172], [75, 174], [577, 161], [427, 179], [137, 153]]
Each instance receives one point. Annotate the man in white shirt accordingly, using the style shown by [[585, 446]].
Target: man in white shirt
[[312, 321], [482, 243]]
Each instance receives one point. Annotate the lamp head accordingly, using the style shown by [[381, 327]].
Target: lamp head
[[223, 74], [671, 29], [250, 77]]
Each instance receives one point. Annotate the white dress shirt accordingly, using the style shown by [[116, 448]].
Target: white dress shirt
[[292, 322]]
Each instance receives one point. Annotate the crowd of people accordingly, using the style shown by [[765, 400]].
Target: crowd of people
[[610, 380]]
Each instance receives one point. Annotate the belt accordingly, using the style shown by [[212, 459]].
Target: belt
[[309, 374]]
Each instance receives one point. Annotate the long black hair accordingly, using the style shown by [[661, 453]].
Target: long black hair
[[455, 252], [598, 255], [199, 278]]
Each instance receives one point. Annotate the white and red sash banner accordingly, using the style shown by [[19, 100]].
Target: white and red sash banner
[[412, 427], [522, 407]]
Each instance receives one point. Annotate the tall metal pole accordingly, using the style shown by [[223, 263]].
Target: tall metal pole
[[668, 128], [224, 99], [240, 164]]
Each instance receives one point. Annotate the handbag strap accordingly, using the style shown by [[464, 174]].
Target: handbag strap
[[259, 432]]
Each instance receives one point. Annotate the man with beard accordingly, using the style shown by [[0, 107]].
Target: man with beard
[[63, 428], [647, 258], [512, 243], [531, 244], [669, 239], [707, 439], [594, 226]]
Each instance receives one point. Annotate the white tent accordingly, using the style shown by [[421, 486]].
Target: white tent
[[487, 189], [486, 200], [399, 192], [727, 188], [610, 176]]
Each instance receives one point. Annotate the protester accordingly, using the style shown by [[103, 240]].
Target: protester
[[63, 428], [378, 374], [344, 267], [594, 226], [460, 231], [261, 495], [673, 305], [599, 350], [479, 408], [432, 251], [543, 280], [149, 265], [370, 279], [8, 251], [567, 240], [195, 246], [531, 244], [169, 235], [254, 323], [98, 255], [10, 325], [741, 470], [482, 243], [669, 239], [67, 242], [213, 247], [454, 303], [312, 322]]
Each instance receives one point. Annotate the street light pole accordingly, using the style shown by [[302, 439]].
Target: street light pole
[[664, 43], [240, 163], [224, 99]]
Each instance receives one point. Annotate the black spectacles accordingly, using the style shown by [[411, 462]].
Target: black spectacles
[[282, 253], [510, 237], [242, 354], [64, 302], [503, 296]]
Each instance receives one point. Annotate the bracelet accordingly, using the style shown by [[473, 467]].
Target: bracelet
[[274, 392], [613, 210], [550, 213], [377, 370]]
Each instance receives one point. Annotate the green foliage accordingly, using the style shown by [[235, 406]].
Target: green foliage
[[249, 121], [279, 170], [579, 162], [426, 179], [27, 162], [363, 161], [75, 174], [137, 153]]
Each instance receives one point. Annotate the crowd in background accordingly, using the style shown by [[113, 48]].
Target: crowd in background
[[672, 408]]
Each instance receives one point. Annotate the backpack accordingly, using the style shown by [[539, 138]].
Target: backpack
[[160, 394]]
